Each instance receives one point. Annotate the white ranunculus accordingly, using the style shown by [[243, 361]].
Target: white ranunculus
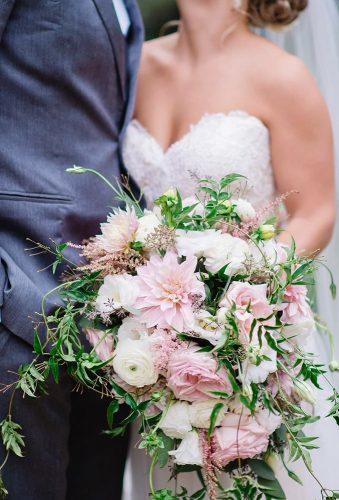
[[133, 362], [251, 372], [176, 423], [131, 328], [206, 327], [244, 209], [226, 249], [195, 242], [188, 452], [118, 291], [147, 225], [268, 420], [200, 413]]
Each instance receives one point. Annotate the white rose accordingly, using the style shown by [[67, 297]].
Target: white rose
[[188, 452], [251, 372], [244, 209], [131, 328], [147, 225], [118, 291], [133, 362], [200, 413], [206, 327], [176, 423], [268, 420], [268, 252], [222, 315], [195, 242], [226, 249]]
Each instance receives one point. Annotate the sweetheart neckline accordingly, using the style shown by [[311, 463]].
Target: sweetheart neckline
[[193, 126]]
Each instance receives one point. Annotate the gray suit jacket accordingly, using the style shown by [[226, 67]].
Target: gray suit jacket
[[67, 85]]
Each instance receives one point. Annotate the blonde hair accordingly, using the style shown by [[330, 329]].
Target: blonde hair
[[277, 13]]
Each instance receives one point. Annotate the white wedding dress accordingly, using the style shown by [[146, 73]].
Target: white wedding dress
[[215, 146]]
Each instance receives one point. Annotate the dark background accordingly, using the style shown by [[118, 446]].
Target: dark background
[[156, 13]]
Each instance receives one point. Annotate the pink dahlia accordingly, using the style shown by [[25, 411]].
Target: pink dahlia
[[167, 291]]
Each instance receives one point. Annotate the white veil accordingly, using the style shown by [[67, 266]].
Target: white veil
[[315, 39]]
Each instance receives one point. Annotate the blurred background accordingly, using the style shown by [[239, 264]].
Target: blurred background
[[156, 13]]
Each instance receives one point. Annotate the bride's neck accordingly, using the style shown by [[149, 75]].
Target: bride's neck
[[206, 25]]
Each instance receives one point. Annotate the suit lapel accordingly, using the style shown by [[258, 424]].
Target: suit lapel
[[136, 37], [117, 39]]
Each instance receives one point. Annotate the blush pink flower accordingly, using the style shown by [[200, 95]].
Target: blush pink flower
[[119, 230], [239, 437], [103, 343], [193, 375], [167, 291], [247, 296], [295, 306]]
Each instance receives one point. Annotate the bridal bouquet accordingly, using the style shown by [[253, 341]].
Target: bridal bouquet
[[198, 320]]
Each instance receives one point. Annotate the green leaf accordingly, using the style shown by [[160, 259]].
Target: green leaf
[[37, 343], [54, 369], [294, 476], [163, 452], [113, 407], [261, 469], [213, 418], [3, 490], [271, 488]]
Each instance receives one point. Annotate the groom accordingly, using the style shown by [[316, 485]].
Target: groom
[[67, 84]]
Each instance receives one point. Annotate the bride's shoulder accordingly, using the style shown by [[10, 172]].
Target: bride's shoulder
[[283, 78], [157, 54]]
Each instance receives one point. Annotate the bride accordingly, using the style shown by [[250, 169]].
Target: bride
[[216, 98]]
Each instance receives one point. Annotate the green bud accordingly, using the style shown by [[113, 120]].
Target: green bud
[[266, 231], [334, 365], [156, 396]]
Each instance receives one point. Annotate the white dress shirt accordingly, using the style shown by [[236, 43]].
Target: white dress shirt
[[122, 16]]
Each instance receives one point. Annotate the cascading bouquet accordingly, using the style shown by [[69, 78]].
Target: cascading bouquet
[[198, 321]]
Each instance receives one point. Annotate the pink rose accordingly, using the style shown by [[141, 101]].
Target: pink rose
[[245, 295], [295, 306], [192, 375], [103, 343], [239, 437]]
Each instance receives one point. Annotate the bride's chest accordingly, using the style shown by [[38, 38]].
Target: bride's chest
[[218, 144]]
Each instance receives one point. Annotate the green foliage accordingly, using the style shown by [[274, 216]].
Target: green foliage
[[334, 412], [11, 437], [3, 490]]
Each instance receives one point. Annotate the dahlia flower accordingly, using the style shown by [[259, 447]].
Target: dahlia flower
[[167, 291]]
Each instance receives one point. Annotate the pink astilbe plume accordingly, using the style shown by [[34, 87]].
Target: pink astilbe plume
[[168, 291], [208, 469], [164, 344], [244, 230]]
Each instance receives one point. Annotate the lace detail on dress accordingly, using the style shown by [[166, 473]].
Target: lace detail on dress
[[218, 144]]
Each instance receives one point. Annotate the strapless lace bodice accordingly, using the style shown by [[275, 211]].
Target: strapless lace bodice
[[217, 145]]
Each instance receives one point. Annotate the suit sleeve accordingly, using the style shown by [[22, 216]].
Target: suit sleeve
[[6, 7]]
